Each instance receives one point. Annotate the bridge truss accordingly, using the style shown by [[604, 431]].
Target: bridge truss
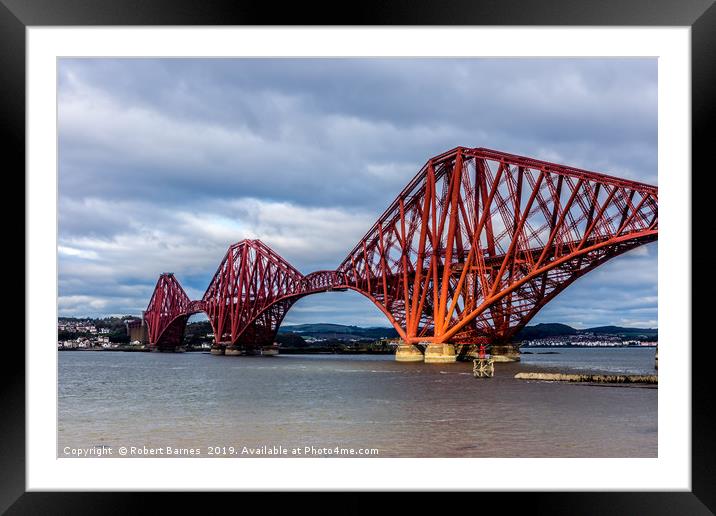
[[473, 247]]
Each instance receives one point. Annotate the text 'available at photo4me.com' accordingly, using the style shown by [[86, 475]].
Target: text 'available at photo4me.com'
[[218, 451]]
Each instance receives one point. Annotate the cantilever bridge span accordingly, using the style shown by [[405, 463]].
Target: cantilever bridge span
[[471, 249]]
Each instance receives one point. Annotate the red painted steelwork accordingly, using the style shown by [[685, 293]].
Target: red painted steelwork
[[167, 313], [248, 295], [469, 252]]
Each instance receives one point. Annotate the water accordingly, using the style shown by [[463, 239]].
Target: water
[[594, 360], [197, 401]]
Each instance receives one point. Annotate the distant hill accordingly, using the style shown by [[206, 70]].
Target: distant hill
[[537, 331], [320, 327], [339, 331], [619, 330], [542, 330]]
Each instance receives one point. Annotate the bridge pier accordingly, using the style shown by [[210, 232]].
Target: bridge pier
[[408, 353], [232, 351], [269, 351], [217, 349], [440, 353], [236, 350], [505, 353], [467, 352]]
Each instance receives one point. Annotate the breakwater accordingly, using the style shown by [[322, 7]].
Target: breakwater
[[590, 378]]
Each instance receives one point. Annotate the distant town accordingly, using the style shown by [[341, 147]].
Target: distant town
[[109, 333], [561, 335], [128, 333]]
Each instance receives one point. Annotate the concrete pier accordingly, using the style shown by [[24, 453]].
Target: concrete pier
[[269, 351], [174, 349], [242, 350], [505, 353], [408, 353], [440, 353], [466, 352]]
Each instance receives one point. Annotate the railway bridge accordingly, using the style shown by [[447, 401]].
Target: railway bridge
[[471, 249]]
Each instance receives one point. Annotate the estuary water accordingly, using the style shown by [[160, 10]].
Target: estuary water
[[326, 405]]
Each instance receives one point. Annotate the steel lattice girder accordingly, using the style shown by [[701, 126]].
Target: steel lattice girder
[[469, 251], [168, 307]]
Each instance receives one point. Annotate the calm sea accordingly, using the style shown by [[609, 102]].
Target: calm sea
[[233, 405]]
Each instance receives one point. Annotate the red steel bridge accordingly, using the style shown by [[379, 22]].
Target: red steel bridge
[[471, 249]]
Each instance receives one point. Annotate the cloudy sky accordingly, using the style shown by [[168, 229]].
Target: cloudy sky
[[164, 163]]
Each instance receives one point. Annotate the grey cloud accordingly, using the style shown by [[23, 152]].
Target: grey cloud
[[217, 125]]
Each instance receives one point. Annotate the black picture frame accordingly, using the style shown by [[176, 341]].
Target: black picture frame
[[700, 15]]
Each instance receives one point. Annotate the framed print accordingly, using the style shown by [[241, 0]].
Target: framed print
[[416, 252]]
